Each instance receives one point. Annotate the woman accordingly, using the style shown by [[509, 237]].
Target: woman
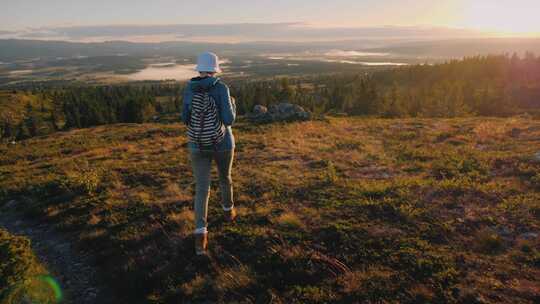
[[221, 150]]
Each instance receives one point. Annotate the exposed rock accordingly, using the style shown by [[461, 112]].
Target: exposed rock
[[260, 114], [533, 129], [502, 231], [471, 296], [10, 204], [278, 112], [536, 156], [287, 111], [515, 132], [525, 116], [481, 147], [529, 236], [259, 109]]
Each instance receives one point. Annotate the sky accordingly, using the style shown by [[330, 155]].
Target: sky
[[503, 16]]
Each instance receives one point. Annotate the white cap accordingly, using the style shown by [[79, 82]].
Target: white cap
[[208, 62]]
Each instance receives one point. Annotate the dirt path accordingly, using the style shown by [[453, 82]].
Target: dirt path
[[73, 271]]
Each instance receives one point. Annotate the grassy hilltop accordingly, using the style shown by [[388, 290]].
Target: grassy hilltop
[[344, 210]]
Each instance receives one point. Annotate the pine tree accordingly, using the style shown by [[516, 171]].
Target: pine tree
[[286, 93], [392, 104], [22, 132]]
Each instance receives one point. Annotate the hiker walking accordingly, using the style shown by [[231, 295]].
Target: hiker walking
[[209, 111]]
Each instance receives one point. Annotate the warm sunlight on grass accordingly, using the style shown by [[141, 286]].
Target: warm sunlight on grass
[[342, 210]]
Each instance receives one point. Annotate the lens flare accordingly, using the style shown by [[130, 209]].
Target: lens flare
[[37, 290], [54, 286]]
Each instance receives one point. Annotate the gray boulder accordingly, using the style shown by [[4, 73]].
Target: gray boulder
[[536, 157], [529, 236], [279, 112], [260, 115], [259, 110], [9, 205], [515, 132]]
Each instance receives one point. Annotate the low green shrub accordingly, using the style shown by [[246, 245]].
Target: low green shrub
[[22, 278]]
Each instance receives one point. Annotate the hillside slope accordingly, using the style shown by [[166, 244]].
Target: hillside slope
[[344, 210]]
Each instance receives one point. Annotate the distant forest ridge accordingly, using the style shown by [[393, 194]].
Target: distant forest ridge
[[15, 49], [482, 85]]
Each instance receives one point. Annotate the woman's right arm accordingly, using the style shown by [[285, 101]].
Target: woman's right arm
[[186, 105], [227, 106]]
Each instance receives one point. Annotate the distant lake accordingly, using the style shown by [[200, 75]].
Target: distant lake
[[163, 71], [324, 59], [367, 62], [343, 53], [20, 72]]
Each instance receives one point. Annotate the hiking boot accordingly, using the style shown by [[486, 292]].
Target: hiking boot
[[230, 215], [201, 243]]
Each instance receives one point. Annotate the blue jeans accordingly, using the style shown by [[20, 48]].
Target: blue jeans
[[201, 162]]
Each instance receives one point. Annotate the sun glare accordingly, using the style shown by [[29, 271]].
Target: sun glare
[[502, 17]]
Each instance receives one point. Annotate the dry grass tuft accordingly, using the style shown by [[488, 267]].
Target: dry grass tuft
[[93, 234], [172, 193], [489, 242], [98, 153], [182, 222], [234, 278], [183, 217], [94, 219], [263, 210], [356, 282], [195, 286], [489, 131], [289, 220]]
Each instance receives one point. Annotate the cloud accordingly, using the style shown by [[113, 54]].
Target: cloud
[[7, 34], [181, 30]]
